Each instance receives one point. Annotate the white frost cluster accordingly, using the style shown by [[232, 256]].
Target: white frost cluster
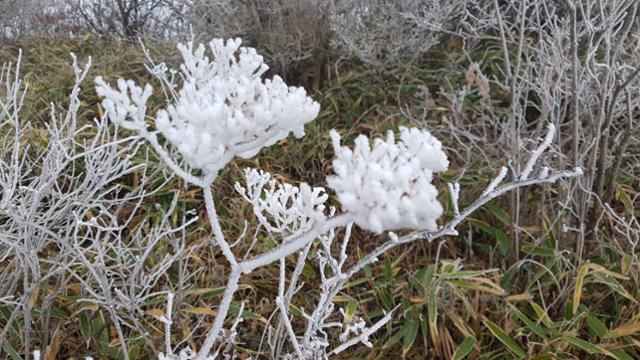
[[223, 109], [388, 186], [127, 105], [353, 325], [282, 207]]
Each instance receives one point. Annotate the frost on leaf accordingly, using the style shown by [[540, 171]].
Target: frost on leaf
[[223, 107], [388, 186]]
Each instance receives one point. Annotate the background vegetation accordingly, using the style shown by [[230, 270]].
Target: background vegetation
[[523, 279]]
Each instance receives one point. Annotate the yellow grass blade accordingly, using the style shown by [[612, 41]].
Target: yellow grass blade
[[577, 292], [625, 330]]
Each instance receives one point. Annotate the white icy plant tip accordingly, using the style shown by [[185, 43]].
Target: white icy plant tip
[[223, 108], [125, 106], [388, 186], [282, 207]]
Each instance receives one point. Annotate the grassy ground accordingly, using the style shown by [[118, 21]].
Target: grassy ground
[[473, 302]]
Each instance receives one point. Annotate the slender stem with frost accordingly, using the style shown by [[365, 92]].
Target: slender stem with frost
[[289, 245], [364, 335], [294, 243], [287, 324], [223, 309], [215, 226], [450, 227]]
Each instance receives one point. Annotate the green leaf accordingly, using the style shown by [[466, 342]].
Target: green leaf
[[550, 240], [499, 213], [464, 348], [507, 277], [482, 226], [385, 297], [11, 351], [596, 327], [355, 283], [85, 327], [432, 308], [388, 269], [530, 324], [539, 250], [367, 270], [295, 310], [308, 271], [504, 338], [410, 332], [621, 355], [503, 243], [6, 312], [393, 340], [614, 285], [428, 277], [134, 351], [352, 306], [626, 201], [498, 234], [587, 346]]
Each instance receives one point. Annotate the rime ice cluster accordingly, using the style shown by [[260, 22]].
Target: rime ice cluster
[[223, 109], [126, 106], [388, 185], [282, 208]]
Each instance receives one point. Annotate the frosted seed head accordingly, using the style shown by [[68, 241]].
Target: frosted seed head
[[387, 185], [224, 98]]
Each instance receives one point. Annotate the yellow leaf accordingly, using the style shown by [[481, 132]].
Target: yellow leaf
[[219, 291], [519, 297], [577, 292], [33, 297], [474, 286], [200, 311], [625, 263], [155, 312], [54, 346], [419, 299], [492, 284], [541, 314], [625, 330], [341, 298], [601, 269]]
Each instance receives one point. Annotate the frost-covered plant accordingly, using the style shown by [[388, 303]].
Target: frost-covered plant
[[292, 35], [282, 208], [68, 202], [222, 108], [50, 199], [380, 31], [388, 186], [22, 18], [576, 65]]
